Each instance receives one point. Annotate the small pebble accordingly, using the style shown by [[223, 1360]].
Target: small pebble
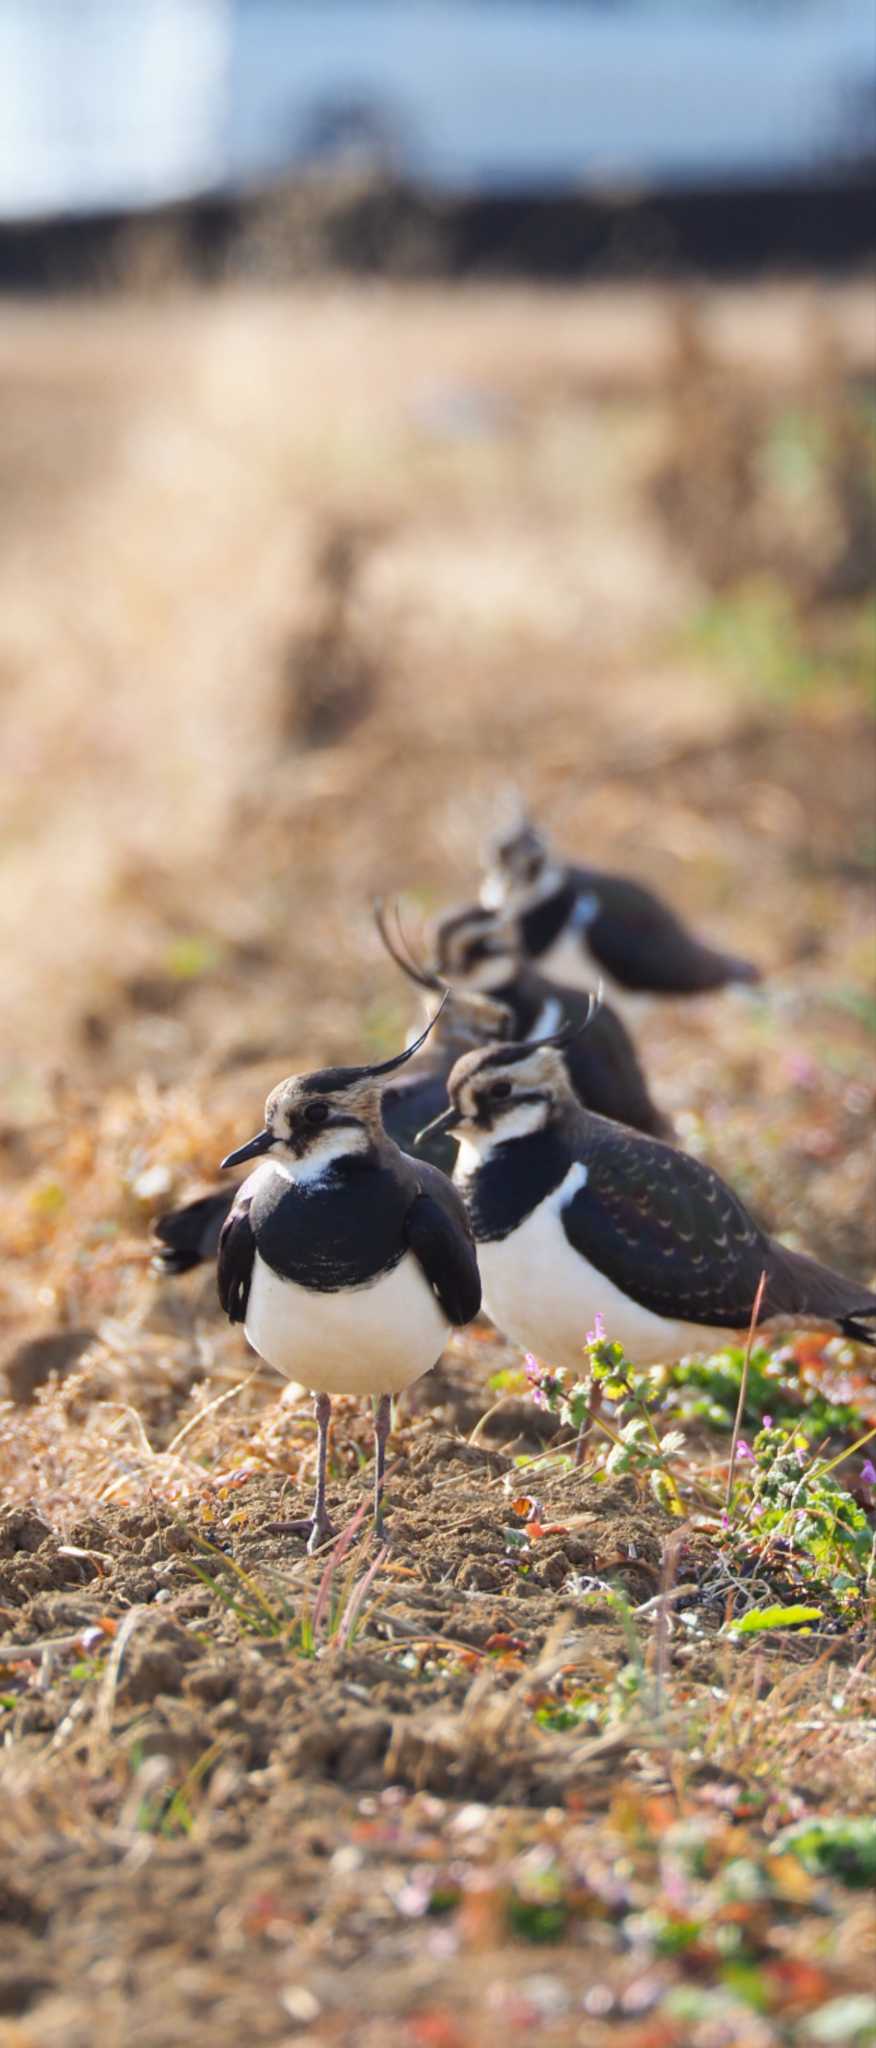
[[300, 2003]]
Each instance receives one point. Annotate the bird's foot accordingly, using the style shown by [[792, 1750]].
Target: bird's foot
[[317, 1531], [322, 1530]]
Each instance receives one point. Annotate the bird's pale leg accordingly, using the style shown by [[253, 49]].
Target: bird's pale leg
[[382, 1426], [321, 1527], [316, 1527]]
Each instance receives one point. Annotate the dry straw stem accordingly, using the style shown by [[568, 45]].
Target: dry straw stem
[[743, 1385], [103, 1713]]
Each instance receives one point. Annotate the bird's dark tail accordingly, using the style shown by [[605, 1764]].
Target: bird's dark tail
[[801, 1286], [860, 1328], [743, 970], [189, 1236]]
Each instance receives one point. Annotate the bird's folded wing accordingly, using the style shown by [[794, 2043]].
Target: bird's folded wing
[[236, 1259], [441, 1244], [608, 1041], [644, 945], [668, 1233]]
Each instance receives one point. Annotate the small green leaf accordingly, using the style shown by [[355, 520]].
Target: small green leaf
[[773, 1617], [843, 1847], [196, 954]]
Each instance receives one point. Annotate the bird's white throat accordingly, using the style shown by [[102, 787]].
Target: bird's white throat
[[321, 1154], [494, 972], [476, 1144], [522, 896]]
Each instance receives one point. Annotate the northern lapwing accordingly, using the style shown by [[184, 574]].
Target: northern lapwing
[[574, 1216], [579, 923], [346, 1261], [188, 1236], [478, 948]]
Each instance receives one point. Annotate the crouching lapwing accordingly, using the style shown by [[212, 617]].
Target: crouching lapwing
[[477, 948], [574, 1216], [188, 1236], [579, 923], [345, 1260]]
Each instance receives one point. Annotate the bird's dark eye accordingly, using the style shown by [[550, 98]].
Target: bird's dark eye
[[500, 1089], [316, 1113]]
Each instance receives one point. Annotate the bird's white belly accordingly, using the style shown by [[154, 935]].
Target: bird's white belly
[[569, 959], [546, 1297], [374, 1339]]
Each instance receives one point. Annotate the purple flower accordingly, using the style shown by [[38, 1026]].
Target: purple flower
[[597, 1334], [868, 1472], [744, 1450], [767, 1422], [535, 1374]]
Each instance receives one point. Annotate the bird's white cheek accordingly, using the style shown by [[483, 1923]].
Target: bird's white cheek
[[476, 1144], [320, 1155]]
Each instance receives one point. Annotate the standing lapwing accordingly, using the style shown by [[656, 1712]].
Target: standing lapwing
[[345, 1260], [479, 949], [188, 1236], [574, 1216], [580, 924]]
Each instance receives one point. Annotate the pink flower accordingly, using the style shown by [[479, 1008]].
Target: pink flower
[[801, 1069], [744, 1450], [597, 1334], [535, 1374]]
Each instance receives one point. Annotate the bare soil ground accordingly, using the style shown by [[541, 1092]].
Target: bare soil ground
[[292, 587]]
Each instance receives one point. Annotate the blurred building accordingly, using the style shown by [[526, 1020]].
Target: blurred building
[[107, 105]]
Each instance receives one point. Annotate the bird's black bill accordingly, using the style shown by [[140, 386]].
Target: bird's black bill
[[447, 1121], [262, 1142]]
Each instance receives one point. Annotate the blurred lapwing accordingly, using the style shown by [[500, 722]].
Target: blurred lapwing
[[477, 949], [575, 1216], [579, 923], [346, 1261], [189, 1235]]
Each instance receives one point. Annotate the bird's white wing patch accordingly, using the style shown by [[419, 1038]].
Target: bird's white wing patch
[[586, 908], [249, 1187], [549, 1019], [575, 1178]]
